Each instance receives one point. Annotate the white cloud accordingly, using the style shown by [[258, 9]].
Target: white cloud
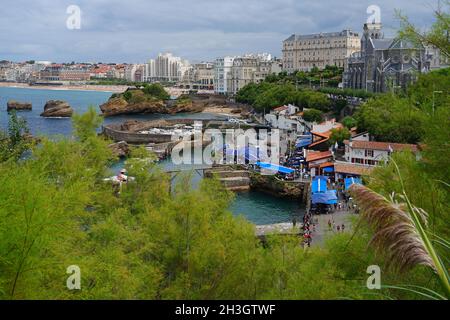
[[135, 30]]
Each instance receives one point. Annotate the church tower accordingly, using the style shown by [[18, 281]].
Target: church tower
[[371, 31]]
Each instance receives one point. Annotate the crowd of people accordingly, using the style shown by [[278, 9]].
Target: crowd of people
[[309, 226], [333, 227]]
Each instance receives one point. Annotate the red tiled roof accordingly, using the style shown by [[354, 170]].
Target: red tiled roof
[[326, 164], [374, 145], [313, 156], [351, 168], [324, 135], [280, 108]]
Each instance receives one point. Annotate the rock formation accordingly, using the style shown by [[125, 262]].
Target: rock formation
[[186, 106], [120, 149], [270, 184], [56, 109], [118, 105], [19, 106]]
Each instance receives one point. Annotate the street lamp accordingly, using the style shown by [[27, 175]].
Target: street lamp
[[434, 92]]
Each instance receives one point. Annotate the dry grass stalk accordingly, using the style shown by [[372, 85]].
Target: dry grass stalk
[[396, 234]]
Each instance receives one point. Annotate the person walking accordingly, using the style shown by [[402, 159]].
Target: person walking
[[343, 227]]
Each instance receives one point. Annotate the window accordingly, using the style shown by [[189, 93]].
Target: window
[[369, 153], [358, 160]]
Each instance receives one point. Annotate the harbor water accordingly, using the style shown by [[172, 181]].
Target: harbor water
[[257, 207]]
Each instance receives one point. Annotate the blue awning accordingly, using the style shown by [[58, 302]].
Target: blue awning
[[274, 167], [303, 141], [349, 181], [328, 169], [319, 184], [327, 197], [250, 153]]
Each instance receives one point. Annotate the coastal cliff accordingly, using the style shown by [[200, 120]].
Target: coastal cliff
[[118, 106], [138, 102]]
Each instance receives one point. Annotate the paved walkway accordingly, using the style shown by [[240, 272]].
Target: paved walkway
[[323, 230]]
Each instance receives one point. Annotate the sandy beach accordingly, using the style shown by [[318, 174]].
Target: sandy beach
[[225, 111], [87, 87]]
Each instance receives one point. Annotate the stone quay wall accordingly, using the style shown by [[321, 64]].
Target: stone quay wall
[[135, 138]]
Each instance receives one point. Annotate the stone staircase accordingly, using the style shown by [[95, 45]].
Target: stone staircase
[[232, 179]]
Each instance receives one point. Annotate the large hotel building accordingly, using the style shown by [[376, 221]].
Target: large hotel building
[[303, 52]]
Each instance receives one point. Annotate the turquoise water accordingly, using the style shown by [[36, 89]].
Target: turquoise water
[[257, 207]]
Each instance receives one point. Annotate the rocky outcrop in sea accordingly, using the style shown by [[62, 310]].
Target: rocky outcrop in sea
[[57, 109], [19, 106]]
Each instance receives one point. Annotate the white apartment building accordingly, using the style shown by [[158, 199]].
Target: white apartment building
[[303, 52], [149, 71], [165, 67], [170, 68], [130, 71], [222, 73], [360, 150], [233, 73]]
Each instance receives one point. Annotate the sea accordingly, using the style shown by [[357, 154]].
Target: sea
[[257, 207]]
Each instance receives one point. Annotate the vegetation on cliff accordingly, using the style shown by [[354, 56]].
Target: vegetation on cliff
[[267, 96], [148, 92], [405, 117]]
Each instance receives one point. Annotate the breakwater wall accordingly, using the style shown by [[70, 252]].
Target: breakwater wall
[[133, 137]]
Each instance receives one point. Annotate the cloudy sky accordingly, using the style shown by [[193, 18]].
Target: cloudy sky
[[136, 30]]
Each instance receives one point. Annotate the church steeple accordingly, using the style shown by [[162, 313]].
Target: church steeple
[[373, 30]]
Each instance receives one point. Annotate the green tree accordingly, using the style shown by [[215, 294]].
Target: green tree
[[437, 36], [313, 115], [392, 119], [339, 135], [17, 140], [156, 90], [349, 122], [127, 95]]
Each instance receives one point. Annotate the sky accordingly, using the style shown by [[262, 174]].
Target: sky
[[134, 31]]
